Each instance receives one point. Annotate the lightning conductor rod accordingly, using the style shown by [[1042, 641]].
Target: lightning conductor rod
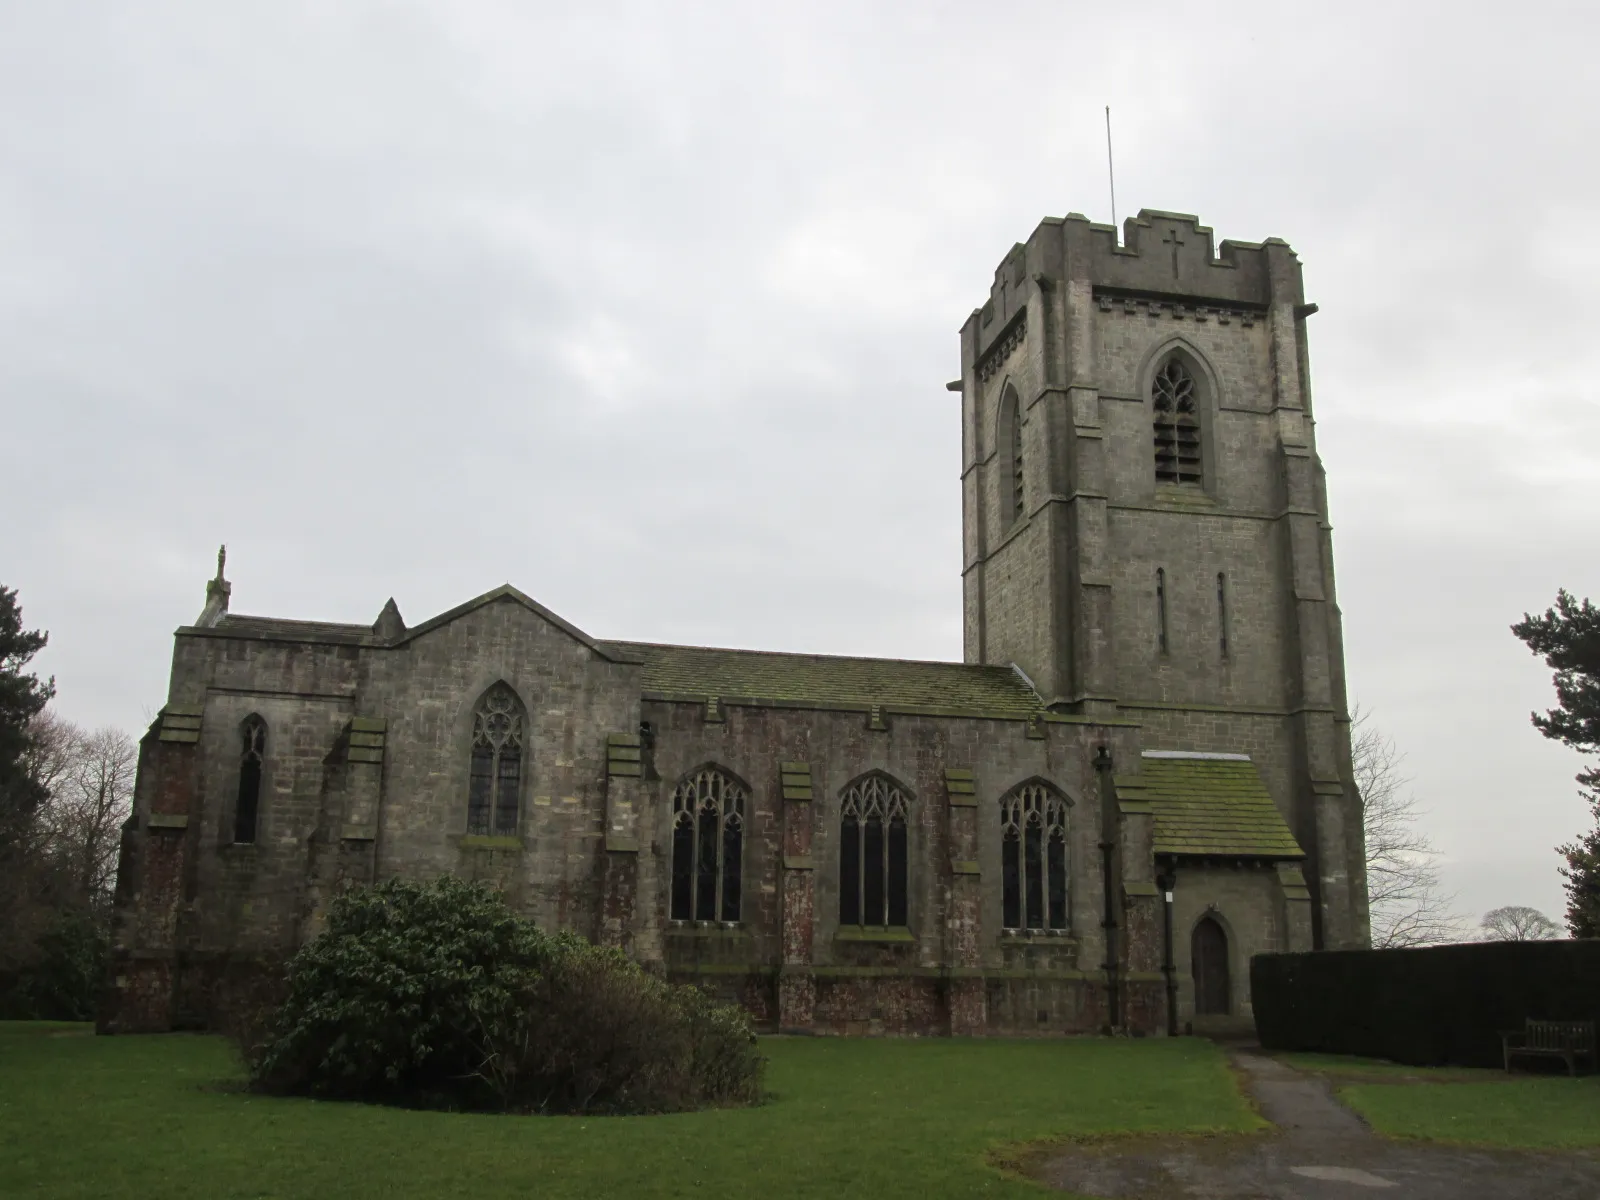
[[1111, 170]]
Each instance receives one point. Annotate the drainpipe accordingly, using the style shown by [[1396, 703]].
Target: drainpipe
[[1108, 865], [1165, 882]]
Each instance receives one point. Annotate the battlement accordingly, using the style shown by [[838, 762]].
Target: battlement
[[1161, 254]]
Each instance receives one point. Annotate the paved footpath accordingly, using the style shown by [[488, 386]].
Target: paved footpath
[[1322, 1151]]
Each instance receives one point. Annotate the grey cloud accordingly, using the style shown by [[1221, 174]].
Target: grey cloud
[[649, 311]]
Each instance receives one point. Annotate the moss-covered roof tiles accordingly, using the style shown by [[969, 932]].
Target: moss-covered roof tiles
[[830, 681], [1209, 804]]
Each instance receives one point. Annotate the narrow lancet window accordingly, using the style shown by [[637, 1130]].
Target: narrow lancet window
[[1011, 432], [247, 807], [1033, 859], [1222, 612], [494, 784], [873, 854], [1161, 609], [1177, 425], [707, 847]]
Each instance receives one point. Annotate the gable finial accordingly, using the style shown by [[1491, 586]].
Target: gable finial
[[217, 592]]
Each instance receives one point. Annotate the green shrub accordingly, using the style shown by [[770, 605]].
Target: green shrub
[[1442, 1005], [437, 994], [67, 974]]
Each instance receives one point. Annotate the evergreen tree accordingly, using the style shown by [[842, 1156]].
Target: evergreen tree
[[22, 697], [1568, 637]]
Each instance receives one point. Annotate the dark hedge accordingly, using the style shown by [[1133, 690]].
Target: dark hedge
[[1443, 1005]]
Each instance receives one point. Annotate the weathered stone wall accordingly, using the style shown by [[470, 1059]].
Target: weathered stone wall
[[204, 903], [1078, 323], [1248, 902]]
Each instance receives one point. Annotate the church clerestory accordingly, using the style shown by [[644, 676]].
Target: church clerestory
[[1138, 777]]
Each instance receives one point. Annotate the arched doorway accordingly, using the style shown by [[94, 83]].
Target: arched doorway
[[1208, 958]]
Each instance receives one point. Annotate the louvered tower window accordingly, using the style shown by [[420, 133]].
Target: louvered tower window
[[1016, 465], [1177, 425], [1012, 498]]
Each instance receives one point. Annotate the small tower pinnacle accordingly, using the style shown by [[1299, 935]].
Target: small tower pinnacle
[[217, 592]]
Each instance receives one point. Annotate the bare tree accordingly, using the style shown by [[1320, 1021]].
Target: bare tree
[[86, 778], [1405, 902], [87, 808], [1517, 923]]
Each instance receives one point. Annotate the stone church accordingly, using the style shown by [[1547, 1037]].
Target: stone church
[[1138, 778]]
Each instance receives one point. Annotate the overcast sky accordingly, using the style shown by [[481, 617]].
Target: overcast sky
[[649, 310]]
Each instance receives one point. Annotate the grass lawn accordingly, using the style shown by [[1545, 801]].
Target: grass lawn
[[85, 1116], [1540, 1113], [1465, 1104], [1381, 1070]]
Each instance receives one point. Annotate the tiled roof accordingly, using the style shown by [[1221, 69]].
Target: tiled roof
[[1209, 804], [829, 681]]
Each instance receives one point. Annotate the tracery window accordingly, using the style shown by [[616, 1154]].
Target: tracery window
[[252, 758], [1177, 424], [1033, 858], [707, 847], [872, 853], [495, 784]]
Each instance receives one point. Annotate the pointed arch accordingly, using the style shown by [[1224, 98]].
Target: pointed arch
[[1008, 443], [1208, 964], [499, 743], [1181, 392], [1035, 861], [874, 852], [252, 766], [708, 819]]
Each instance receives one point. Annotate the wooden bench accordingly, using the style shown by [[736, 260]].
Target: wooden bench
[[1566, 1040]]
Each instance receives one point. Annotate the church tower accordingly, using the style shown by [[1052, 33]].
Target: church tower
[[1145, 520]]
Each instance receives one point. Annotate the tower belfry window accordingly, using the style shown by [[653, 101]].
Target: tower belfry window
[[1011, 475], [1177, 425], [1016, 466]]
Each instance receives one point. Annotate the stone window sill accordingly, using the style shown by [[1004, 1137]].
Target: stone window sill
[[707, 929], [893, 935], [1037, 935], [478, 841]]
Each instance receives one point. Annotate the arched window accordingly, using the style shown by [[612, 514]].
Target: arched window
[[248, 805], [1033, 859], [495, 784], [707, 847], [1177, 424], [872, 853], [1011, 456]]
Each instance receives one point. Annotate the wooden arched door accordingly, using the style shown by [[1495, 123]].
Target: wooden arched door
[[1208, 958]]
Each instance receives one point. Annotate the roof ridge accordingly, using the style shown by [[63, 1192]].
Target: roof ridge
[[920, 662]]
